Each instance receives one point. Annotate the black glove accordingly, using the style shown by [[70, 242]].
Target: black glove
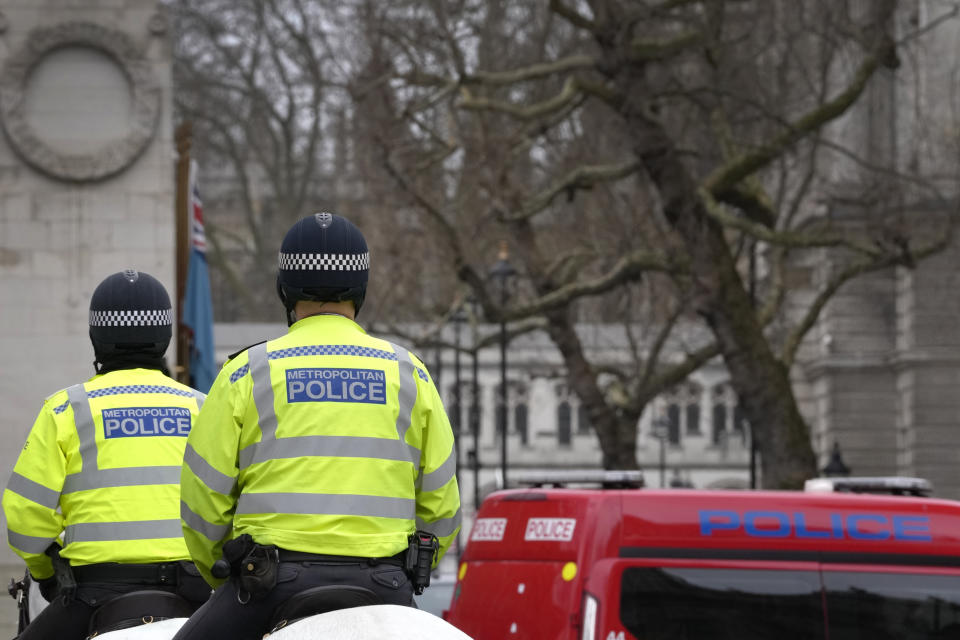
[[233, 552], [48, 588]]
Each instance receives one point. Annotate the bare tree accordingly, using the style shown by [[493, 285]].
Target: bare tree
[[607, 141], [638, 157], [265, 90]]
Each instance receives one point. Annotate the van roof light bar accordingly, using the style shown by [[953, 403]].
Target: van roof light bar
[[616, 479], [890, 485]]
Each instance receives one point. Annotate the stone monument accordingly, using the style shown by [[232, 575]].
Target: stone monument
[[86, 184]]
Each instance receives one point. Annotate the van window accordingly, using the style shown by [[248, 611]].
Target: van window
[[748, 604], [892, 606], [721, 604]]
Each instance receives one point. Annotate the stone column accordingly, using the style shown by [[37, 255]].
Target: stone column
[[927, 367], [86, 184]]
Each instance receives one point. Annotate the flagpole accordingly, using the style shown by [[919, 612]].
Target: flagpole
[[184, 138]]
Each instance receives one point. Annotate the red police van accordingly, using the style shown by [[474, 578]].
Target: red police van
[[621, 564]]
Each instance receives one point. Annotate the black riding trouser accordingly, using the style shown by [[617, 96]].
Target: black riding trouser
[[231, 616], [70, 620]]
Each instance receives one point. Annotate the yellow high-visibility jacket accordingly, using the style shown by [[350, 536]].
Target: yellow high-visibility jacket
[[101, 466], [325, 440]]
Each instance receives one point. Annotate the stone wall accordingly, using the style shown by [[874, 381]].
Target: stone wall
[[86, 183]]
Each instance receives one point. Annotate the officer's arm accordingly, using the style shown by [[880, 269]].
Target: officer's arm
[[33, 493], [438, 496], [208, 481]]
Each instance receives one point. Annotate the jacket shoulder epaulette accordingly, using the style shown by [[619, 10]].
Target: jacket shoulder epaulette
[[238, 352]]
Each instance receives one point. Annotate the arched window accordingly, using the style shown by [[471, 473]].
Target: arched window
[[693, 419], [502, 415], [691, 398], [583, 420], [719, 426], [673, 424], [730, 427], [520, 420], [563, 424], [740, 424]]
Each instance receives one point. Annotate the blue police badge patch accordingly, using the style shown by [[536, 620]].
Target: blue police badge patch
[[367, 386], [133, 422]]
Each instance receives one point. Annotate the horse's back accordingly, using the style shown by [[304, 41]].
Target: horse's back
[[381, 621], [162, 630]]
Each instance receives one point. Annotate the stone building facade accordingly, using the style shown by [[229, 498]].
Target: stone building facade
[[86, 183]]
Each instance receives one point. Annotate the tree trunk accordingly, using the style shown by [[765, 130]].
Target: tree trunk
[[617, 433], [761, 381]]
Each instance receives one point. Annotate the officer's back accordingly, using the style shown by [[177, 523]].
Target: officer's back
[[317, 455], [99, 473]]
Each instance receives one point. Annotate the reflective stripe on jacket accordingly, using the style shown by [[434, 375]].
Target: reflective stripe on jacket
[[101, 466], [325, 440]]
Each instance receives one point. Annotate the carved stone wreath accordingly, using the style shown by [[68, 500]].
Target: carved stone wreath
[[113, 157]]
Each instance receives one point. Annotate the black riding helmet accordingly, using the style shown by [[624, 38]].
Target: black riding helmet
[[323, 258], [130, 317]]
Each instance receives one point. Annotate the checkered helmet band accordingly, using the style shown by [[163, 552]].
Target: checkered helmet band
[[324, 261], [132, 318]]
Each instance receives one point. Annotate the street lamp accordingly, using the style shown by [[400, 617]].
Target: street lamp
[[473, 416], [835, 467], [475, 428], [503, 271], [458, 318], [661, 431]]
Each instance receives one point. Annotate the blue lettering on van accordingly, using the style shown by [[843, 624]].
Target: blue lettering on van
[[136, 422], [367, 386], [780, 524]]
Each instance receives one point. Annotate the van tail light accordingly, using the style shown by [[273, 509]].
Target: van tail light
[[588, 629]]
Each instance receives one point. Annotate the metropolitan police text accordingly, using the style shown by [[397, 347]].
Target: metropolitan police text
[[368, 386], [131, 422]]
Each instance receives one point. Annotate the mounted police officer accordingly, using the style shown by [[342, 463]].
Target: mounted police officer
[[318, 455], [101, 467]]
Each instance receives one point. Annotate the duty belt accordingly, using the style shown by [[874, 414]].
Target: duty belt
[[300, 556], [157, 574]]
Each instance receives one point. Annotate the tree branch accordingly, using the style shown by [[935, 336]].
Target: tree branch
[[531, 72], [792, 343], [582, 177], [527, 112], [725, 177], [627, 268], [572, 16], [649, 50]]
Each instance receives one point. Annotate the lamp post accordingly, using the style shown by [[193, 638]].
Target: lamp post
[[475, 428], [661, 431], [502, 271], [457, 318], [473, 415], [753, 303], [835, 467]]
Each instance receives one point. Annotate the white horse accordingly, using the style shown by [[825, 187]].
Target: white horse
[[381, 621]]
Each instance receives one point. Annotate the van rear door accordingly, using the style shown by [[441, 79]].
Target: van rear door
[[514, 599], [521, 574]]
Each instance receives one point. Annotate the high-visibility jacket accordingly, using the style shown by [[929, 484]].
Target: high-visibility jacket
[[101, 466], [326, 440]]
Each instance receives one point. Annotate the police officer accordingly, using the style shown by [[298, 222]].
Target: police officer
[[322, 451], [101, 466]]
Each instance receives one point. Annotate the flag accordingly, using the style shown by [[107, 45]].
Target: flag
[[197, 303]]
